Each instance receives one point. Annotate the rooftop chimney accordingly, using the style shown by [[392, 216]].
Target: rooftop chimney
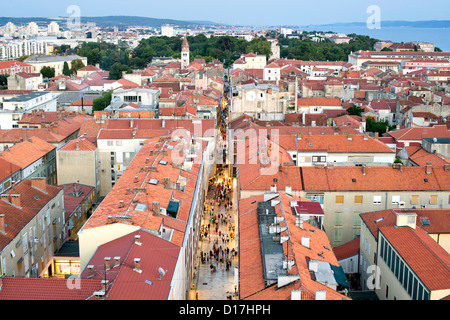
[[107, 263], [90, 270], [305, 242], [166, 182], [156, 209], [321, 295], [116, 261], [15, 199], [137, 265], [137, 239], [2, 223], [428, 167], [39, 183], [105, 285]]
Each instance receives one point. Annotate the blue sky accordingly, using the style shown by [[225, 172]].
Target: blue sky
[[243, 12]]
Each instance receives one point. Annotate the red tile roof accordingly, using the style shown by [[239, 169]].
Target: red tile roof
[[149, 155], [319, 101], [79, 144], [348, 249], [26, 153], [127, 284], [251, 281], [427, 259], [14, 288], [71, 200], [418, 133], [32, 200], [374, 179]]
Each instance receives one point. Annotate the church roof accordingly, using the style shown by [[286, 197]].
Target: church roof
[[185, 44]]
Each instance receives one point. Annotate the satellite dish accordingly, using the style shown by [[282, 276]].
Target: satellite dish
[[162, 273]]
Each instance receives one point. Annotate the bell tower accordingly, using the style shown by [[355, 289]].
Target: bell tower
[[184, 53]]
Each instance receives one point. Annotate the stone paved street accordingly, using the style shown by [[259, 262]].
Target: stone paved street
[[213, 280]]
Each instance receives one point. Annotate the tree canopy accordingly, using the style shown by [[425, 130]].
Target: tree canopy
[[48, 72]]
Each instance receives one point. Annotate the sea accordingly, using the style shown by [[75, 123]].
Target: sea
[[439, 36]]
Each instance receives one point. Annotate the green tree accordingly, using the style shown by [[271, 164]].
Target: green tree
[[76, 65], [377, 126], [260, 46], [66, 69], [102, 102], [117, 69], [48, 72], [355, 111]]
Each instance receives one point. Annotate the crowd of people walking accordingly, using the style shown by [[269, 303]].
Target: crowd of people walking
[[218, 252]]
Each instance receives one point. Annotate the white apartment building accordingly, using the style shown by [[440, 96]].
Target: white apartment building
[[14, 108], [14, 49], [167, 31]]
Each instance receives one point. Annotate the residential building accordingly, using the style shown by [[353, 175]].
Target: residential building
[[27, 244], [78, 162], [407, 246], [347, 255], [56, 62], [79, 203], [162, 193], [10, 174], [318, 104], [35, 157], [288, 259], [359, 57], [345, 192], [14, 49], [250, 61], [337, 150], [272, 72], [12, 67], [167, 31], [25, 81], [14, 108], [260, 101]]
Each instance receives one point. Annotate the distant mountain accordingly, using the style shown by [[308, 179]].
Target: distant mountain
[[393, 23], [109, 21]]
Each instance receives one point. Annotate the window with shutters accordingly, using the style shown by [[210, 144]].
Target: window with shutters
[[415, 199], [339, 199], [356, 219], [338, 218], [358, 199], [337, 235], [433, 199], [395, 199], [376, 199]]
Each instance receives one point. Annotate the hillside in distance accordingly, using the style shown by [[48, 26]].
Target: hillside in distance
[[405, 24], [107, 21]]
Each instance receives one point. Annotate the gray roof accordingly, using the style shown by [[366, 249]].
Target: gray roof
[[72, 96], [438, 140], [28, 96], [44, 58]]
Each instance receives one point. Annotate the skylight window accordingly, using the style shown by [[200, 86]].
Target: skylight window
[[163, 162], [153, 181], [425, 221]]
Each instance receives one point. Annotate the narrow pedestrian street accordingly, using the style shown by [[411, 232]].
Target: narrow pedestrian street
[[217, 266]]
